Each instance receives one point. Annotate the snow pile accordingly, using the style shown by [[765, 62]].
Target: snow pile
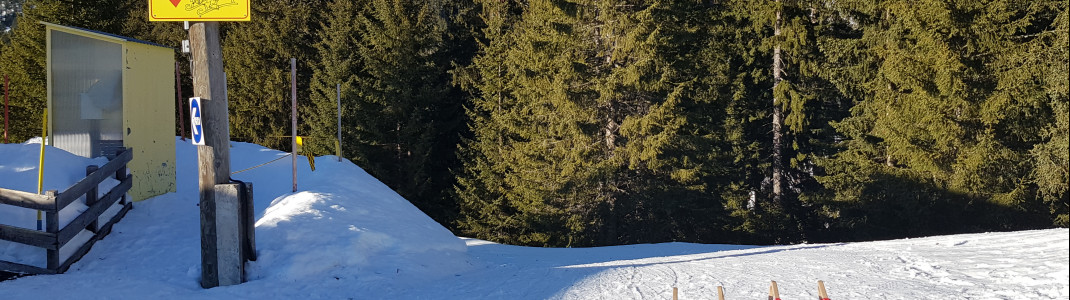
[[18, 171], [341, 222], [356, 226]]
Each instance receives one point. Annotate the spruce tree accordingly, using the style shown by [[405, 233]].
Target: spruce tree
[[338, 64], [257, 64], [779, 79], [939, 141], [583, 125], [480, 188], [1033, 82], [402, 114]]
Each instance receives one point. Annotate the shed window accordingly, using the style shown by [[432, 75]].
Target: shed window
[[87, 97]]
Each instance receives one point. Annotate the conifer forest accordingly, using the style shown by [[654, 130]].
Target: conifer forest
[[575, 123]]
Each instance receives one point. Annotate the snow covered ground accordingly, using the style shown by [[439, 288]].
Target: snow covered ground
[[346, 236]]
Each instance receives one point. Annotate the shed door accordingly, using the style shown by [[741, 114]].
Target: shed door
[[87, 97]]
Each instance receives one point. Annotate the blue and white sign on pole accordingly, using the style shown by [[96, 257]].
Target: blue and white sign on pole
[[196, 129]]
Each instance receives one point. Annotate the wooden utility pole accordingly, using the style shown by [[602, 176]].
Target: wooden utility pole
[[214, 156]]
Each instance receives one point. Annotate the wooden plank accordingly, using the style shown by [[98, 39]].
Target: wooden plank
[[103, 232], [23, 269], [93, 212], [29, 237], [228, 226], [92, 180], [27, 200], [249, 220]]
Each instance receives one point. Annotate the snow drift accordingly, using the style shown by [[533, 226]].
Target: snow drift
[[345, 235], [342, 222], [18, 171]]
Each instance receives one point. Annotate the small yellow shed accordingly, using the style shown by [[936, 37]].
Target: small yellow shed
[[106, 92]]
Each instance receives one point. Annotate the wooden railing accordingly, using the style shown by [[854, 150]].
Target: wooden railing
[[54, 238]]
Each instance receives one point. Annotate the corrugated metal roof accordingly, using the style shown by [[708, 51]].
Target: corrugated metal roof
[[105, 34]]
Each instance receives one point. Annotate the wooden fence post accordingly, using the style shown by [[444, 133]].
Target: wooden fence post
[[52, 226], [91, 196], [774, 293], [120, 174]]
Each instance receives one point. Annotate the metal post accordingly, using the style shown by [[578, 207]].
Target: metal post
[[293, 119], [214, 156], [5, 110], [181, 115], [338, 145]]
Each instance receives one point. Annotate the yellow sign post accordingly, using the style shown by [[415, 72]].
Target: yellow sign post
[[199, 10]]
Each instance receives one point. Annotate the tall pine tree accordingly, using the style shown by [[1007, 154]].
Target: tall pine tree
[[778, 120], [401, 115], [582, 129], [939, 141], [257, 64]]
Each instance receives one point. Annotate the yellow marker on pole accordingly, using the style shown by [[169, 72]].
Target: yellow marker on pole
[[308, 154], [41, 165]]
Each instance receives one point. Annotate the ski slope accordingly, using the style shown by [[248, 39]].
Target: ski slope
[[345, 235]]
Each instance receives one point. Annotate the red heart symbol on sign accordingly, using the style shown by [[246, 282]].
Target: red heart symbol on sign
[[175, 2]]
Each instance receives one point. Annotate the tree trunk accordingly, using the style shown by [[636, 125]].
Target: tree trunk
[[778, 70]]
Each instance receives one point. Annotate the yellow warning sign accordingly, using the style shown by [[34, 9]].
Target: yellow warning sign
[[199, 10]]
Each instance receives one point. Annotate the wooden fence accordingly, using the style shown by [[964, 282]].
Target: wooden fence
[[54, 238]]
